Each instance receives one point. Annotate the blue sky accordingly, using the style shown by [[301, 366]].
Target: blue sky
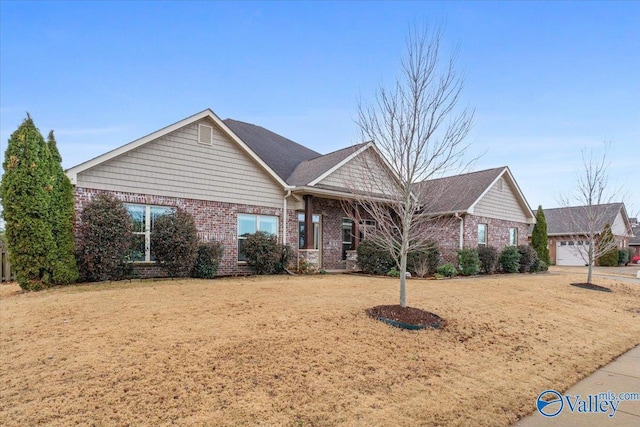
[[545, 78]]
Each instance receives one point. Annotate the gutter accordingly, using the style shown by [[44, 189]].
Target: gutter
[[284, 216], [461, 218]]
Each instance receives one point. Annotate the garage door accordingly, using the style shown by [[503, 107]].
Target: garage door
[[570, 252]]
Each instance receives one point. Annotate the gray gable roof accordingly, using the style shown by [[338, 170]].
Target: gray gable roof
[[574, 219], [282, 155], [456, 193], [309, 170]]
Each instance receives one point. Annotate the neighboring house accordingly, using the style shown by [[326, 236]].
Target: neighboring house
[[479, 208], [634, 242], [567, 227], [236, 178]]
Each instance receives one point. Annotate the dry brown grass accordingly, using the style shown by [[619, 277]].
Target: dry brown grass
[[300, 350]]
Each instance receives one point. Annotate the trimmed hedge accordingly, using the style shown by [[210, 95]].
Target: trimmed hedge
[[174, 242], [488, 256], [468, 261], [265, 255], [207, 260], [509, 260], [447, 270], [104, 242], [374, 260], [528, 257]]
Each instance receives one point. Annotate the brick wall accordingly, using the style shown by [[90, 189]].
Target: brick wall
[[214, 220], [447, 232], [332, 214]]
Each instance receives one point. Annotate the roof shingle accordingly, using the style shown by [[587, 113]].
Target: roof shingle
[[456, 193], [574, 219], [282, 155]]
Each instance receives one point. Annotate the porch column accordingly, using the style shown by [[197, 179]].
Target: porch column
[[355, 228], [308, 222]]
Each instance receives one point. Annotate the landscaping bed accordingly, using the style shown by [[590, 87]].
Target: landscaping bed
[[300, 350]]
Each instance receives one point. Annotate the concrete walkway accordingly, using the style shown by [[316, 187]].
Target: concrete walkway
[[621, 375]]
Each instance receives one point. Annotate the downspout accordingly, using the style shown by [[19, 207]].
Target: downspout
[[284, 216], [461, 218]]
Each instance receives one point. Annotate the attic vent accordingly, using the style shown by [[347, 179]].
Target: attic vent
[[501, 184], [205, 134]]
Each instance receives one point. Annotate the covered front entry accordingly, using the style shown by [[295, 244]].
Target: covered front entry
[[571, 252], [327, 234]]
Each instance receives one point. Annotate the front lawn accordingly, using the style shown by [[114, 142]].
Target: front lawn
[[301, 351]]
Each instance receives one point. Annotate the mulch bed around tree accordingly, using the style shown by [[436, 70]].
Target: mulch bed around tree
[[591, 286], [405, 317]]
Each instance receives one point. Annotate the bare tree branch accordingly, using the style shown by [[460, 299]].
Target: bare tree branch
[[419, 131], [587, 212]]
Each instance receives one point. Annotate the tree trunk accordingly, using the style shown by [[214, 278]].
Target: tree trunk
[[403, 278], [591, 262]]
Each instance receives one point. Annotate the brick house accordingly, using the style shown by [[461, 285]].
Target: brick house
[[566, 229], [478, 208], [236, 178]]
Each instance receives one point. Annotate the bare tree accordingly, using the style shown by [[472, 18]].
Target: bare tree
[[590, 207], [419, 134]]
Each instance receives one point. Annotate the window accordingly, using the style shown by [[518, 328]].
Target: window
[[347, 225], [482, 234], [316, 231], [367, 226], [205, 134], [563, 243], [144, 217], [513, 237], [249, 224]]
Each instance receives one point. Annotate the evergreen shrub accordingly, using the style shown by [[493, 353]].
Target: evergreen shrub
[[509, 260], [488, 256], [468, 261], [208, 260], [174, 242], [104, 241]]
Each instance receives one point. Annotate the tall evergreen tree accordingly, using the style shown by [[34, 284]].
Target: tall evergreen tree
[[609, 250], [26, 193], [539, 237], [65, 270]]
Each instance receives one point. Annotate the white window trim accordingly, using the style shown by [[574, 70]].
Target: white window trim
[[147, 228], [486, 232], [258, 216]]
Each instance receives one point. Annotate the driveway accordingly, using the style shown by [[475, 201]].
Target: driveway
[[627, 272]]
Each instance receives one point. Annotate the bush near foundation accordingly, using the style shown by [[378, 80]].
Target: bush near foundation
[[488, 256], [374, 260], [104, 241], [468, 261], [528, 257], [424, 263], [207, 260], [265, 255], [509, 260], [174, 242]]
